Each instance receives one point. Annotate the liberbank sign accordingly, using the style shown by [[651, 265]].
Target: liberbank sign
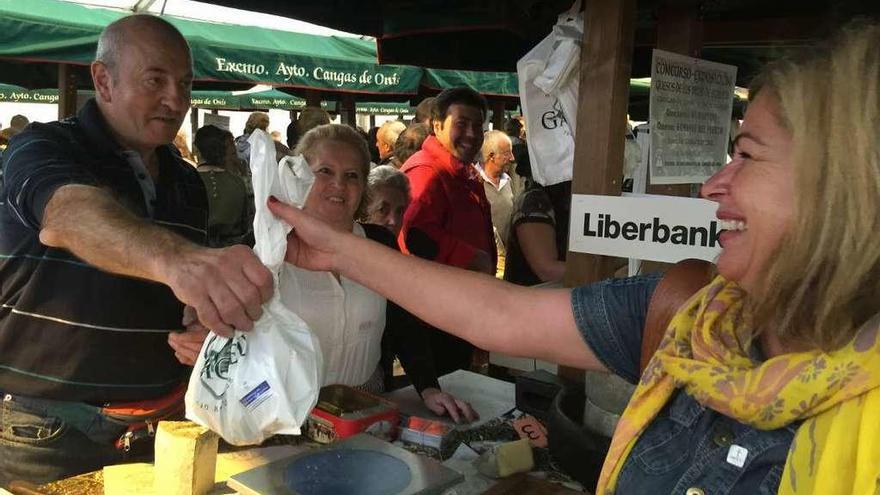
[[310, 72], [646, 227]]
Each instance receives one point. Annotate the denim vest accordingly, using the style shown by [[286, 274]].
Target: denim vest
[[688, 448]]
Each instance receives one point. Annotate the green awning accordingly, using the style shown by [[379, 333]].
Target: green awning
[[16, 94], [56, 31], [214, 99], [487, 83]]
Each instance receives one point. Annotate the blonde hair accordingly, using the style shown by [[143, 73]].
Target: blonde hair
[[823, 282], [339, 134]]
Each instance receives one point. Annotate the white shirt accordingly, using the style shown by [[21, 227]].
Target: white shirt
[[502, 181], [347, 318]]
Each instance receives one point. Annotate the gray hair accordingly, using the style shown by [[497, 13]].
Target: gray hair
[[388, 176], [490, 143], [113, 37], [390, 131]]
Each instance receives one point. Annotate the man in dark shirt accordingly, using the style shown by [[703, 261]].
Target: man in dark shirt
[[101, 246]]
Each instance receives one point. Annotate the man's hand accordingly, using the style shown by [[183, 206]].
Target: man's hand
[[312, 243], [226, 287], [441, 403], [188, 344]]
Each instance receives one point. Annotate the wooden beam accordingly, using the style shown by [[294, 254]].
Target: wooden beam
[[66, 91], [497, 107], [606, 57], [194, 126], [750, 32], [346, 110], [313, 98]]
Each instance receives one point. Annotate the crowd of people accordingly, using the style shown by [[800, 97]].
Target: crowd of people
[[120, 252]]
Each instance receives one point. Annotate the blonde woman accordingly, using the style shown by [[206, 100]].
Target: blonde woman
[[768, 379], [357, 327]]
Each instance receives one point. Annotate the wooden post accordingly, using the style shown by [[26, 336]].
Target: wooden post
[[346, 110], [313, 98], [606, 58], [372, 121], [66, 91], [497, 107], [194, 126], [679, 30]]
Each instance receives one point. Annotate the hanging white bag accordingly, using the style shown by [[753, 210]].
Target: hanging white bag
[[548, 87], [266, 381]]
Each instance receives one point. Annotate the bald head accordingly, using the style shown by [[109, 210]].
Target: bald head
[[142, 76], [135, 27]]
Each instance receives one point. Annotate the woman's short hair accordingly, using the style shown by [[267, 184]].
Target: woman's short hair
[[256, 120], [388, 176], [210, 144], [339, 134], [309, 118], [823, 282]]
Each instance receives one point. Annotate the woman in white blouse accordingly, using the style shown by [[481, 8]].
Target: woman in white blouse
[[349, 319]]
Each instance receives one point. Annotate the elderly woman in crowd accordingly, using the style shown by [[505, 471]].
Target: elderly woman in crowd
[[768, 379], [388, 196], [348, 318]]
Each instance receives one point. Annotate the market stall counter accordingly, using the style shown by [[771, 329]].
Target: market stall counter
[[432, 455]]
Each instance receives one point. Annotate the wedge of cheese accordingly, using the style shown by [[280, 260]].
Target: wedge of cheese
[[186, 457], [506, 459]]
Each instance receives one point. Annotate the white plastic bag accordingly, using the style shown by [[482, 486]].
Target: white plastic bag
[[548, 88], [266, 381]]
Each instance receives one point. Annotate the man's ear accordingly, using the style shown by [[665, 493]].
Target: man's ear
[[103, 80], [436, 125]]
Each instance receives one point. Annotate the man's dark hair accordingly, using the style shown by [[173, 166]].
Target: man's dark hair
[[513, 128], [409, 142], [461, 96], [210, 143]]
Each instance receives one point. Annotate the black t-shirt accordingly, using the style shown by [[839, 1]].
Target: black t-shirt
[[532, 206]]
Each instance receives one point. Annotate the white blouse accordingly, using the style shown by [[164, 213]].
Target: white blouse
[[347, 318]]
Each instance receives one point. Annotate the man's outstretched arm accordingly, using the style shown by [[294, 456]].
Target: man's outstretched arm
[[226, 286]]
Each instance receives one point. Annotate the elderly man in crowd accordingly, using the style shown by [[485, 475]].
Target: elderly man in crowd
[[385, 139], [449, 219], [101, 246], [493, 167]]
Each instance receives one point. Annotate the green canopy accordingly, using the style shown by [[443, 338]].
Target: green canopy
[[487, 83], [56, 31], [222, 100], [16, 94]]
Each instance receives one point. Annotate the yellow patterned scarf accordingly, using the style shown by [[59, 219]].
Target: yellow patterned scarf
[[836, 449]]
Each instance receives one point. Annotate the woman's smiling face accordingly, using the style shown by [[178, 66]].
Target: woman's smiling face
[[339, 183], [755, 193]]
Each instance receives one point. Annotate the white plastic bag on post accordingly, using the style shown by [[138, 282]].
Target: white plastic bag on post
[[548, 87], [266, 381]]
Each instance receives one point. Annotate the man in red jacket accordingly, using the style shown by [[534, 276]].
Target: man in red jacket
[[449, 220]]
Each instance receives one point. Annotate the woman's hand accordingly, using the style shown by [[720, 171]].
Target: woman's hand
[[188, 344], [441, 403], [312, 243]]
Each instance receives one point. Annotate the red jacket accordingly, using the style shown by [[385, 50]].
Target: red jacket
[[449, 205]]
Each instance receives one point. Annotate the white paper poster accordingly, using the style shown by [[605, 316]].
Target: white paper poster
[[647, 227], [690, 109]]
